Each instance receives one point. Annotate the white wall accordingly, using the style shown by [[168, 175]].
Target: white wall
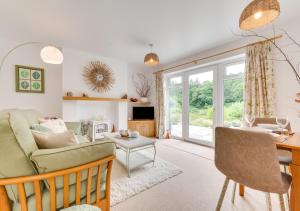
[[133, 69], [49, 103], [74, 63], [286, 85]]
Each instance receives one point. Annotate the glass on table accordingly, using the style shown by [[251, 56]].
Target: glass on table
[[282, 123], [250, 119]]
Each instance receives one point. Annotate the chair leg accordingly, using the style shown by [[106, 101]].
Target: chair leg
[[284, 166], [288, 195], [281, 200], [222, 195], [233, 193], [268, 201]]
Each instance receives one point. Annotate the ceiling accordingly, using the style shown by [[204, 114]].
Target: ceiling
[[123, 28]]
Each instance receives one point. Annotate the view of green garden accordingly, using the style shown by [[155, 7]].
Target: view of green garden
[[201, 102]]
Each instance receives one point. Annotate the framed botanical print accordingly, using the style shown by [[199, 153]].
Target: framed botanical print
[[30, 79]]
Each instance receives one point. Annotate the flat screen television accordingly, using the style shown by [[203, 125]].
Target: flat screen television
[[145, 113]]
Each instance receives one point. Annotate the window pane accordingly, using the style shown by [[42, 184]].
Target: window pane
[[233, 96], [235, 69], [201, 106], [175, 106]]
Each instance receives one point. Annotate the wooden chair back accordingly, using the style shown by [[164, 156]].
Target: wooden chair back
[[104, 204]]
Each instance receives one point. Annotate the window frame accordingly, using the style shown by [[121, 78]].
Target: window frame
[[218, 104]]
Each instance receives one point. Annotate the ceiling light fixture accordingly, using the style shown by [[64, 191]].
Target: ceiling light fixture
[[151, 59], [259, 13]]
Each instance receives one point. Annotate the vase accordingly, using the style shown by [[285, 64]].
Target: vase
[[144, 100]]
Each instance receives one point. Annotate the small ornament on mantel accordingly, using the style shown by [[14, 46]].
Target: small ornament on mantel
[[133, 100], [70, 94], [124, 96], [85, 94]]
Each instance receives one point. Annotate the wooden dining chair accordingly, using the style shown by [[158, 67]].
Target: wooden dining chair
[[239, 155]]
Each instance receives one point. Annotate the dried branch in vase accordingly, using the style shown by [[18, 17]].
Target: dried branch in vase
[[283, 53], [143, 85]]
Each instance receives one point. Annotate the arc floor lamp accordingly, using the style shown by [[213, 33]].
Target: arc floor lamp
[[49, 53]]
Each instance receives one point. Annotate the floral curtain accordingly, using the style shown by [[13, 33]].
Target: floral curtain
[[259, 81], [160, 107]]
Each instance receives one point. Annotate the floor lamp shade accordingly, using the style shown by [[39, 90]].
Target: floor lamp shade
[[259, 13], [51, 55]]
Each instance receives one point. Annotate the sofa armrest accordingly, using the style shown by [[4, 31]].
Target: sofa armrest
[[48, 160]]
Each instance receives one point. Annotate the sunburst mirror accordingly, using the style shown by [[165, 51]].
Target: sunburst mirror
[[98, 76]]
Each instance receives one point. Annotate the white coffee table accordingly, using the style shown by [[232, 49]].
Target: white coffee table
[[130, 145]]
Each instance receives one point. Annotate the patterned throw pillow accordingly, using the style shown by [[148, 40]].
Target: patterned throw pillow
[[55, 125], [40, 128]]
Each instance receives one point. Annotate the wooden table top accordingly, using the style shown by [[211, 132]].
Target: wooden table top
[[292, 142]]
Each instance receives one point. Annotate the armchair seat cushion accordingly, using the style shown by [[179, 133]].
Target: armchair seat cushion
[[49, 160]]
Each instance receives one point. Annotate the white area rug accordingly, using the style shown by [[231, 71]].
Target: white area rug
[[141, 179]]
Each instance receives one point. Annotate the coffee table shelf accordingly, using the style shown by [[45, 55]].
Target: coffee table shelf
[[132, 148], [137, 159]]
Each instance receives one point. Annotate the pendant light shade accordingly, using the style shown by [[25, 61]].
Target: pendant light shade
[[52, 55], [259, 13], [151, 59]]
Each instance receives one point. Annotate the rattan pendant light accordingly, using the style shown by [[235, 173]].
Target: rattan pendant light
[[151, 59], [259, 13]]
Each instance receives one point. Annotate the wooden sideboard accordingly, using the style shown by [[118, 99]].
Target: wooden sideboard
[[144, 127]]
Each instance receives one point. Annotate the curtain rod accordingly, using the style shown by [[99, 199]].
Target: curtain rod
[[195, 61]]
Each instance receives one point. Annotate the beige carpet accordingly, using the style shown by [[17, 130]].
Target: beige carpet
[[142, 178], [196, 189]]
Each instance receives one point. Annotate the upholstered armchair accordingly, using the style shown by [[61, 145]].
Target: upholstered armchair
[[50, 179]]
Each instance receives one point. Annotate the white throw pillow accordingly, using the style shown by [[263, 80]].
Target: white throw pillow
[[54, 140], [55, 125]]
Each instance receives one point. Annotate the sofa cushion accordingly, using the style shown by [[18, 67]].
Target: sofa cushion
[[13, 159], [75, 126], [22, 132], [54, 140], [32, 116], [48, 160], [55, 125], [83, 139], [40, 128]]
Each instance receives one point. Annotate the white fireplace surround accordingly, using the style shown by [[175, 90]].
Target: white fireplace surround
[[116, 112], [73, 81]]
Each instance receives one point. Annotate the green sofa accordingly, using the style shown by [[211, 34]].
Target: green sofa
[[20, 156]]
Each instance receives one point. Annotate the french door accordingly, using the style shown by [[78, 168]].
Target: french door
[[191, 105], [200, 99]]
